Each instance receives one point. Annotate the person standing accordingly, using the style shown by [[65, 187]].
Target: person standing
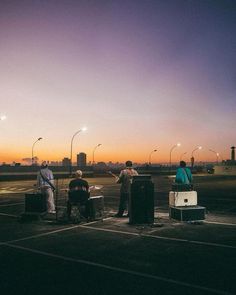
[[124, 179], [45, 182]]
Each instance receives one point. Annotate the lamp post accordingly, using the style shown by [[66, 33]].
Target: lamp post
[[3, 117], [33, 149], [174, 146], [151, 155], [181, 156], [71, 146], [217, 155], [192, 157], [95, 150]]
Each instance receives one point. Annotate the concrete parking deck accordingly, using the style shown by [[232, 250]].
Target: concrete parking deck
[[114, 257]]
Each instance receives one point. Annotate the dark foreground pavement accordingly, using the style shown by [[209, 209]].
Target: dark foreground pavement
[[113, 257]]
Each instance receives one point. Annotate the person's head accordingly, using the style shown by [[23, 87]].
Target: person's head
[[78, 174], [44, 165], [128, 164], [182, 164]]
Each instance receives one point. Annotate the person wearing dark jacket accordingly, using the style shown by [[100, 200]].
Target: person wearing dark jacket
[[78, 193]]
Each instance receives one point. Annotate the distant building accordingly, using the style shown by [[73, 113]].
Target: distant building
[[81, 160], [66, 162], [228, 167], [55, 163]]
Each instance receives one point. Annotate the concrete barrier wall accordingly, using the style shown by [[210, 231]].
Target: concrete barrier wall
[[225, 170]]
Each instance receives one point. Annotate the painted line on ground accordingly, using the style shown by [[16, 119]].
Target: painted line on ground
[[50, 232], [41, 235], [13, 204], [120, 270], [122, 232], [9, 215], [161, 237], [220, 223]]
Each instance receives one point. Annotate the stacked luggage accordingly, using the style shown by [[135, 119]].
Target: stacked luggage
[[183, 204]]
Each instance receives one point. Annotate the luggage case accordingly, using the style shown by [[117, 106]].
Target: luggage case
[[35, 203], [183, 198], [191, 213], [96, 207]]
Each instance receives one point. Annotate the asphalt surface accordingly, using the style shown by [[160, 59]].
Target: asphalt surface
[[113, 257]]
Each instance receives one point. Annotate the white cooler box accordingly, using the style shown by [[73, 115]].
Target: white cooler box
[[188, 198]]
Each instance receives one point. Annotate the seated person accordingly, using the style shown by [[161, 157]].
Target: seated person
[[183, 175], [78, 194]]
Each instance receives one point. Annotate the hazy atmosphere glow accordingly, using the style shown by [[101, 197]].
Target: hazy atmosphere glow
[[139, 74]]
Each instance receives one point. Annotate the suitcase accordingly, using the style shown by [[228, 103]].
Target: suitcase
[[96, 207], [191, 213], [141, 201], [35, 203], [183, 198]]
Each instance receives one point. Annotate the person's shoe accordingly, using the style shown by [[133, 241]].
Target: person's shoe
[[118, 215], [52, 212]]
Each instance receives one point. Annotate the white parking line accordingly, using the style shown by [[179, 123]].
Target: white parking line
[[220, 223], [9, 215], [161, 237], [88, 225], [118, 269], [12, 204]]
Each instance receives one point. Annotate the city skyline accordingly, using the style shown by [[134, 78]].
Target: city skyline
[[140, 75]]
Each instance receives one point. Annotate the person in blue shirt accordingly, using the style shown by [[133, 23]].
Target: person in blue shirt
[[183, 174]]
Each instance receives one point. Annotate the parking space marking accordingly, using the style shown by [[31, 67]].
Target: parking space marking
[[9, 215], [88, 225], [118, 269], [12, 204], [50, 232], [41, 235], [162, 238], [220, 223], [15, 190]]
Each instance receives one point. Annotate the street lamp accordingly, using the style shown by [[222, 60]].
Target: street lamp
[[151, 155], [3, 117], [33, 149], [71, 146], [95, 150], [217, 155], [192, 157], [174, 146], [181, 156]]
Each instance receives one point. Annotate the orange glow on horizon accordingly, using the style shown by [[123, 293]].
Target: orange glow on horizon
[[101, 156]]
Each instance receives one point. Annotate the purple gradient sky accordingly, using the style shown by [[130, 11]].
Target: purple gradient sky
[[139, 74]]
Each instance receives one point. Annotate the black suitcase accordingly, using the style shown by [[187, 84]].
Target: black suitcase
[[35, 203], [191, 213], [96, 207], [141, 201]]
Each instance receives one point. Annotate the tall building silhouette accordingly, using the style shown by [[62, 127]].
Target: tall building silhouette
[[66, 162], [81, 160]]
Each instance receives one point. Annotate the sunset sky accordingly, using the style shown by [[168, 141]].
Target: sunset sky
[[140, 74]]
